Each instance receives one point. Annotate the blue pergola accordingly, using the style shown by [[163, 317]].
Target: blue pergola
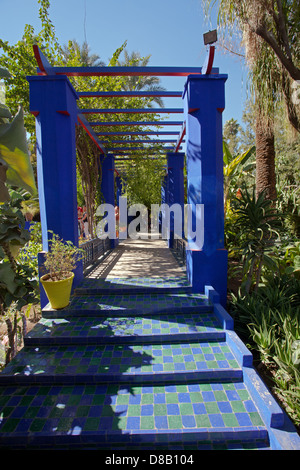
[[53, 101]]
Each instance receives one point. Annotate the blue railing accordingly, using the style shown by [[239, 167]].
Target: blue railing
[[179, 248], [94, 250]]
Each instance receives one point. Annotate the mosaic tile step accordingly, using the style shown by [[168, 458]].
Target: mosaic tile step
[[113, 415], [146, 304], [123, 363], [109, 329], [132, 284]]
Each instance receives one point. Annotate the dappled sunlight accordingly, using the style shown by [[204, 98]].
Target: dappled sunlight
[[139, 258]]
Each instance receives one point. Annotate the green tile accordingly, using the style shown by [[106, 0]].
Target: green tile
[[82, 411], [255, 418], [196, 397], [243, 394], [238, 406], [174, 422], [230, 420], [202, 421], [134, 410], [147, 399], [31, 412], [211, 407], [65, 425], [160, 409], [98, 399], [92, 424], [26, 401], [5, 412], [181, 388], [10, 425], [73, 400], [220, 395], [186, 409], [171, 398], [147, 422], [122, 399], [37, 425]]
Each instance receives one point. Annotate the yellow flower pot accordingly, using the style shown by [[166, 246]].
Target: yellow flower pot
[[58, 292]]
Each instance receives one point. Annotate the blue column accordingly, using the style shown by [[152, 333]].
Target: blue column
[[108, 182], [119, 188], [53, 102], [204, 103], [175, 189]]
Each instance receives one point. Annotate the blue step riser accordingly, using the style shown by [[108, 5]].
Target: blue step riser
[[139, 378], [136, 438], [157, 339], [131, 291], [65, 313]]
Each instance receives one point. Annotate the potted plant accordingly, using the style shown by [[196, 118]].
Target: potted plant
[[60, 262]]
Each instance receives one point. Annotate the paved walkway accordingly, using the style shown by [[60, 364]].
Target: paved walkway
[[139, 258]]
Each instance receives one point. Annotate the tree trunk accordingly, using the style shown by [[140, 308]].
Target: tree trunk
[[265, 158]]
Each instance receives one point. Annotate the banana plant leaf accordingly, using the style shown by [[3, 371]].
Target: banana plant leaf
[[231, 162], [14, 154]]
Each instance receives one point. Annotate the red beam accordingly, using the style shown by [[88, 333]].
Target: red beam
[[180, 139]]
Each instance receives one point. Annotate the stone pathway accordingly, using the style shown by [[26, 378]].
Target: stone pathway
[[145, 258]]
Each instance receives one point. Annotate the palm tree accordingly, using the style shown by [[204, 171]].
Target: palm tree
[[140, 83], [269, 31], [81, 52]]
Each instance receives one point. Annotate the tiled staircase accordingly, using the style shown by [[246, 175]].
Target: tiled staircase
[[138, 365]]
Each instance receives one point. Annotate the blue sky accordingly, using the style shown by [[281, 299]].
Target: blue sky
[[170, 30]]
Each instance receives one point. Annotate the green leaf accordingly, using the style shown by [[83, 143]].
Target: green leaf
[[7, 277], [239, 160], [227, 157], [4, 112], [14, 152], [4, 73]]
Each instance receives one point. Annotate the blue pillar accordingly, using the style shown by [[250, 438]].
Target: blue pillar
[[175, 189], [164, 196], [108, 182], [204, 103], [53, 102], [119, 188]]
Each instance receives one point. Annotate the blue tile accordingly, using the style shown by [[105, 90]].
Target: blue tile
[[179, 366], [232, 395], [173, 409], [159, 398], [184, 398], [249, 405], [147, 410], [243, 419], [18, 412], [134, 399], [208, 396], [224, 407], [121, 410], [147, 389], [133, 422], [158, 368], [216, 420], [95, 411], [189, 358], [199, 408], [161, 422], [168, 359], [170, 388], [188, 421]]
